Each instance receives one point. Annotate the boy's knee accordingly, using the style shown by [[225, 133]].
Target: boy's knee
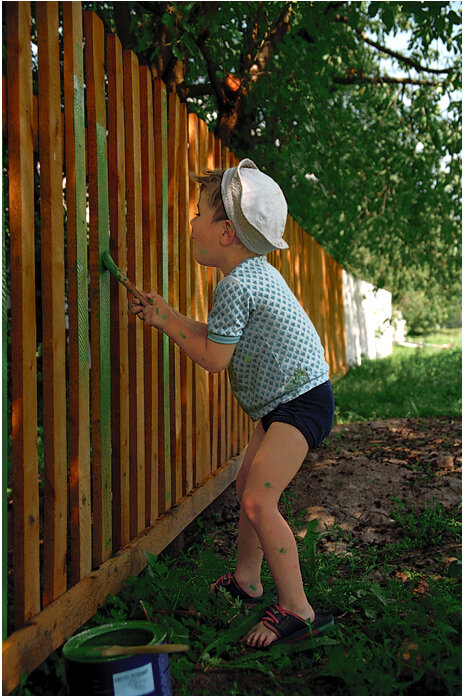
[[253, 505]]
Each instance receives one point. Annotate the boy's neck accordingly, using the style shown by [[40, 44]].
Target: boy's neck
[[233, 260]]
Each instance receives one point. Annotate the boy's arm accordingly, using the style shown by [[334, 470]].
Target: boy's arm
[[191, 336]]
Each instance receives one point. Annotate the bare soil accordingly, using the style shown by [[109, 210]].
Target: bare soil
[[351, 482]]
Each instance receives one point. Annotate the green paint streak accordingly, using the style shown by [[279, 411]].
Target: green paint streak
[[157, 311], [163, 135], [81, 271], [203, 252], [268, 485], [283, 551], [182, 335], [104, 331], [164, 317]]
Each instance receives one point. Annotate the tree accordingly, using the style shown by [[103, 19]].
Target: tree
[[369, 161]]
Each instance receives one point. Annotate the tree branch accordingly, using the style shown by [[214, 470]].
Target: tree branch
[[380, 80], [399, 56], [185, 91], [270, 41]]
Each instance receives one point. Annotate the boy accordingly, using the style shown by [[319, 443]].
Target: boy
[[278, 373]]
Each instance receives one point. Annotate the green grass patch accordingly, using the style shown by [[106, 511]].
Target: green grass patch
[[397, 629], [409, 383]]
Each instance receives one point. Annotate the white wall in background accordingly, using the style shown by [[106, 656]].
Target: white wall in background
[[367, 320]]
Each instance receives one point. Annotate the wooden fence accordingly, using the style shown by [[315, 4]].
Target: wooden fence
[[118, 440]]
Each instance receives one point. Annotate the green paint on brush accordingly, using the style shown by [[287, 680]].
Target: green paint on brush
[[108, 262]]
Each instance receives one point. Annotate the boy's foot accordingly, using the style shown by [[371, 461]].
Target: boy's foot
[[229, 584], [279, 626]]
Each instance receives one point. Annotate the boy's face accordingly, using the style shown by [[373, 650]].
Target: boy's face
[[205, 234]]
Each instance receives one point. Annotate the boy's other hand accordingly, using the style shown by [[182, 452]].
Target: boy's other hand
[[154, 314]]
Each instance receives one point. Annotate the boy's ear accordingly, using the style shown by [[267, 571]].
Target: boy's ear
[[228, 234]]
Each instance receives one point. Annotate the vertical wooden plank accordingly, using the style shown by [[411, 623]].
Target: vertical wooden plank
[[161, 163], [173, 293], [222, 378], [135, 273], [185, 305], [78, 335], [5, 425], [203, 438], [99, 288], [150, 283], [23, 316], [233, 162], [228, 392], [213, 377], [119, 300], [53, 303]]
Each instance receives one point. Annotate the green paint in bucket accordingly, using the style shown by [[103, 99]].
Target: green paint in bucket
[[89, 674]]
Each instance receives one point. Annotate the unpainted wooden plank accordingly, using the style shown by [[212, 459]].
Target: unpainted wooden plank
[[25, 474], [53, 304], [174, 133], [135, 273], [99, 288], [185, 305], [150, 282], [119, 298]]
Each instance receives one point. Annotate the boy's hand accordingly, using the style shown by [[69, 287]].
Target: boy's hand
[[154, 314]]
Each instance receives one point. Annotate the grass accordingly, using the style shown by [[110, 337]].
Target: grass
[[412, 382], [397, 630]]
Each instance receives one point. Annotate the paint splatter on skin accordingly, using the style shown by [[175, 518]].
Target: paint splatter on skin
[[253, 587], [268, 485], [203, 252], [283, 551], [164, 317], [157, 311], [182, 335]]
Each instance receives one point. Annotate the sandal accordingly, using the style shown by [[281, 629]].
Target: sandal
[[229, 584], [290, 628]]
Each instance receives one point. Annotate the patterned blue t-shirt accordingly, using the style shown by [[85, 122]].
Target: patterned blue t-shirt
[[278, 355]]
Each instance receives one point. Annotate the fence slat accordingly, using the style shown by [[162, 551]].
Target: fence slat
[[173, 293], [23, 315], [135, 273], [197, 161], [78, 345], [185, 306], [99, 288], [150, 283], [161, 161], [53, 303], [119, 299]]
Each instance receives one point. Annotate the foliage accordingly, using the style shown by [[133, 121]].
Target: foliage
[[410, 383], [369, 161], [397, 633]]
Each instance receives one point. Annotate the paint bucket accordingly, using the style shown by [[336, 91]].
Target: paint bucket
[[89, 674]]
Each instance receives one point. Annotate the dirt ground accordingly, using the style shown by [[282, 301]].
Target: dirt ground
[[352, 480]]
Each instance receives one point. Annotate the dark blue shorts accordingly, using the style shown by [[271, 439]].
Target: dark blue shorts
[[311, 413]]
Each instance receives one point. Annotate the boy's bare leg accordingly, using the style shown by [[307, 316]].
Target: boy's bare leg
[[277, 459], [249, 548]]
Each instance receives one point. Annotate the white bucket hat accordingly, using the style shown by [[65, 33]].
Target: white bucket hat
[[257, 207]]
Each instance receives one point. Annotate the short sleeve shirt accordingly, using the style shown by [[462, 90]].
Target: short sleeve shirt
[[278, 354]]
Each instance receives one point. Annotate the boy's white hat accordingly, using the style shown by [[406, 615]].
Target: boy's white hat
[[257, 207]]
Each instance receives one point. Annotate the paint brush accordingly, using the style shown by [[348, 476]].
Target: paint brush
[[109, 263], [117, 650]]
